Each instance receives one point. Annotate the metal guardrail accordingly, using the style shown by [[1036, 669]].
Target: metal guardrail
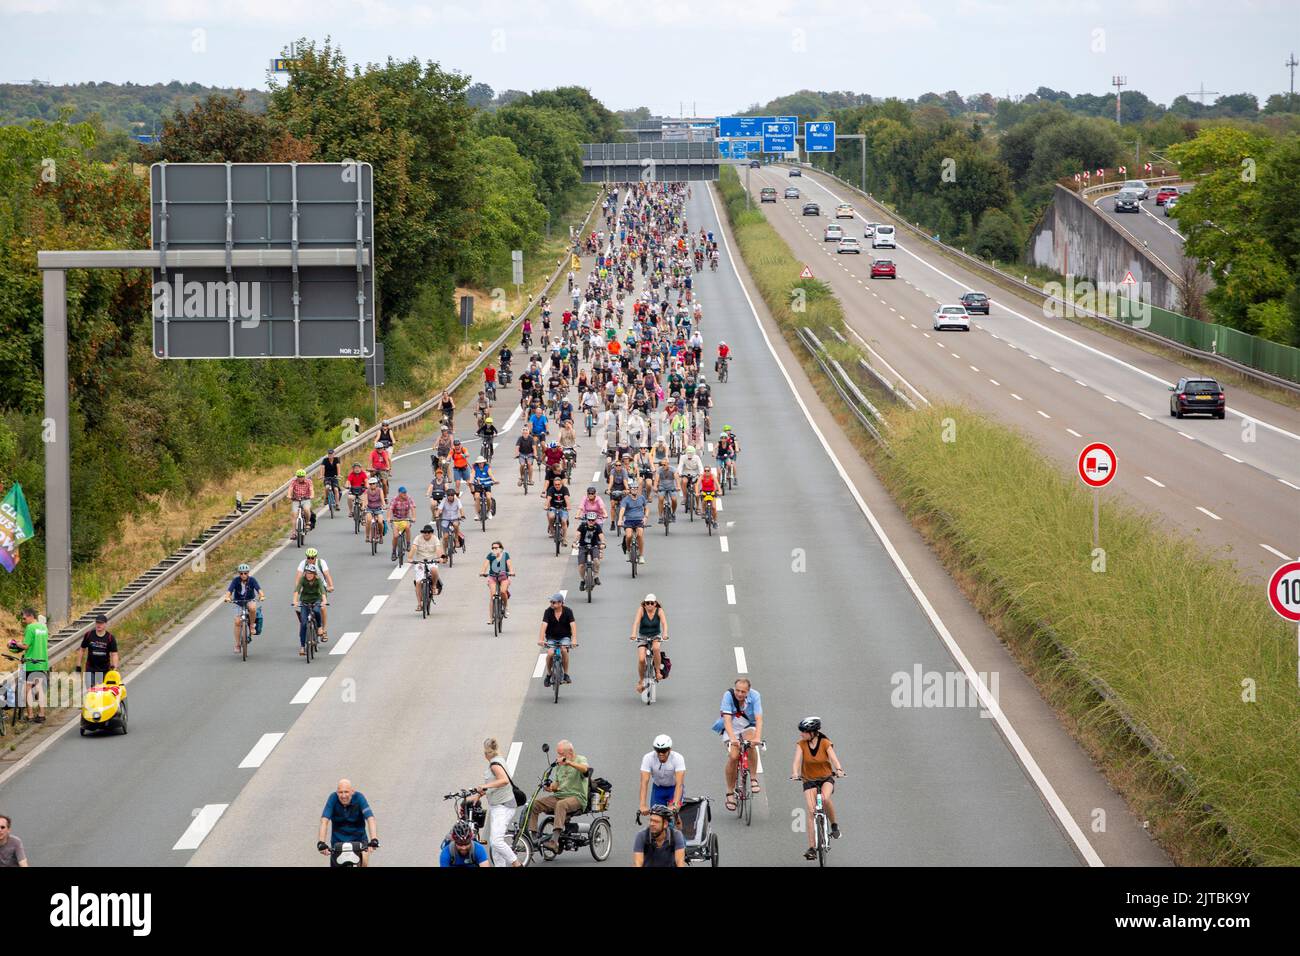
[[146, 585], [890, 388], [840, 380], [993, 272]]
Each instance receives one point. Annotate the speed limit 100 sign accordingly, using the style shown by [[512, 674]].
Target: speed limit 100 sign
[[1284, 591]]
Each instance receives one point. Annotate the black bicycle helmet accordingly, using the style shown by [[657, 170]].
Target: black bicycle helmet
[[462, 834], [810, 725], [662, 810]]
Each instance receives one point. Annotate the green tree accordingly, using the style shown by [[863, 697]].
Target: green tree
[[997, 237], [550, 140], [596, 123]]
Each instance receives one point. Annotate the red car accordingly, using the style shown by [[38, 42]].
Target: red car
[[883, 269], [1166, 192]]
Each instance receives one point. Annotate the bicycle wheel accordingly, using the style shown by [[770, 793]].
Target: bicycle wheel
[[449, 545], [426, 593], [311, 635], [243, 638], [589, 577], [748, 805], [356, 518], [298, 530], [601, 840], [402, 546], [822, 843], [375, 534], [633, 553], [714, 855], [742, 791], [482, 514], [330, 503], [557, 674], [523, 847]]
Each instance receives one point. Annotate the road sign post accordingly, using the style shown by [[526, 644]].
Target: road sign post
[[1097, 466], [1284, 595]]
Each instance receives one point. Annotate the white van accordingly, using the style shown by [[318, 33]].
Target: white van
[[883, 238]]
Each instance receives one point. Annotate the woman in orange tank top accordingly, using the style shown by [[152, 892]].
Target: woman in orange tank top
[[816, 764]]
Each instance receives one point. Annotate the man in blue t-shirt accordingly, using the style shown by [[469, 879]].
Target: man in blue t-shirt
[[351, 818], [537, 423], [244, 591], [462, 849], [740, 715]]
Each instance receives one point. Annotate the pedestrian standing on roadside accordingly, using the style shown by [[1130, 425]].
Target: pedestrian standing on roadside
[[11, 848], [98, 653]]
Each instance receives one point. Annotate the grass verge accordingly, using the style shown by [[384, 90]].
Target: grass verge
[[1167, 651]]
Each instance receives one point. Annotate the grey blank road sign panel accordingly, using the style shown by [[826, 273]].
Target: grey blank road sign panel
[[660, 162], [251, 312]]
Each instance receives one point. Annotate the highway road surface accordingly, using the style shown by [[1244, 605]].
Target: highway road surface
[[1158, 234], [1232, 485], [230, 763]]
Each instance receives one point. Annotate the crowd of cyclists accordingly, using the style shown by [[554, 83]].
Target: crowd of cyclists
[[620, 359]]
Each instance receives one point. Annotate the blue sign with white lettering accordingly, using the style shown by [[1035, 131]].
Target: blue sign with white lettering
[[819, 137], [731, 127], [741, 148], [778, 137], [724, 149]]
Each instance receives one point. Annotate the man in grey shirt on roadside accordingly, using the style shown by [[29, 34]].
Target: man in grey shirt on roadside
[[11, 848]]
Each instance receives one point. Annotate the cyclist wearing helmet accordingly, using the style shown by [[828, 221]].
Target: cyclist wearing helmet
[[425, 546], [376, 504], [554, 458], [482, 478], [660, 843], [461, 849], [400, 510], [312, 556], [442, 447], [663, 774], [308, 597], [590, 539], [381, 463], [727, 450], [816, 764], [244, 591], [724, 351], [300, 493], [488, 433]]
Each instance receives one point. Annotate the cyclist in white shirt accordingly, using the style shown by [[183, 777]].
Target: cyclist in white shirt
[[425, 546], [689, 468], [663, 774]]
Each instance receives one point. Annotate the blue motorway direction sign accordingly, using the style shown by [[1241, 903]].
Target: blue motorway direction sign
[[730, 127], [819, 137], [778, 137]]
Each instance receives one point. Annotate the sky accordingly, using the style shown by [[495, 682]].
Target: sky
[[707, 57]]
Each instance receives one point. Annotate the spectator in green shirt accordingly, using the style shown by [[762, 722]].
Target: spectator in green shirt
[[567, 791], [35, 646]]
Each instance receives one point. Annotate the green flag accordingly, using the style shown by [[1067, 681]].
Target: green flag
[[15, 526]]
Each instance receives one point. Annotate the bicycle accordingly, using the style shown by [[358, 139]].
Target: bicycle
[[403, 543], [358, 514], [426, 592], [557, 529], [332, 496], [821, 824], [311, 642], [300, 525], [633, 553], [710, 513], [723, 363], [590, 421], [557, 668], [743, 793], [498, 609], [480, 494], [349, 852], [449, 542], [490, 390], [666, 516], [488, 448], [245, 631], [375, 533], [597, 835], [690, 499], [525, 472], [589, 573], [474, 813], [652, 678]]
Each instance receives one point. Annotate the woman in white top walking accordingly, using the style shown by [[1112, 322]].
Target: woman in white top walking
[[501, 803]]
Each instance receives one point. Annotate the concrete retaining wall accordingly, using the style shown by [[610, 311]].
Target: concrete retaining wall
[[1074, 238]]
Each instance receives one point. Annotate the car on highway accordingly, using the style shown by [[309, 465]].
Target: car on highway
[[951, 317], [1197, 396], [767, 194], [753, 164], [975, 302], [1166, 193], [869, 230], [843, 211], [850, 244], [795, 171], [1138, 186], [833, 233], [791, 192], [884, 269], [883, 238], [1169, 206], [812, 209], [1128, 201]]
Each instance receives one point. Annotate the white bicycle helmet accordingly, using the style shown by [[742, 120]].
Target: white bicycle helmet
[[663, 742]]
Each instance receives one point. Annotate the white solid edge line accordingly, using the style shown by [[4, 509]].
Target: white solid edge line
[[742, 666], [49, 741], [308, 690], [344, 643], [1073, 341], [1018, 747], [261, 750], [200, 826], [512, 756]]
